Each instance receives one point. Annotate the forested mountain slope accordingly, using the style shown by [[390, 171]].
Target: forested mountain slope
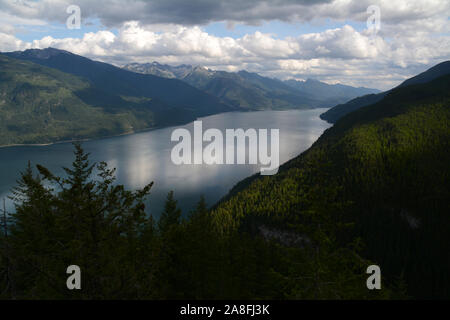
[[380, 174], [243, 90], [41, 105], [252, 91], [373, 189], [330, 94], [337, 112], [118, 81]]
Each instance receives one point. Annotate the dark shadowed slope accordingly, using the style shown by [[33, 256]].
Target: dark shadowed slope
[[340, 110], [329, 94], [380, 174]]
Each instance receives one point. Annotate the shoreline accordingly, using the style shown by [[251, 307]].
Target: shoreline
[[6, 193], [135, 131], [102, 137], [82, 139]]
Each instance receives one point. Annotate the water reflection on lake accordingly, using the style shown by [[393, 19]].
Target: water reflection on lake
[[144, 157]]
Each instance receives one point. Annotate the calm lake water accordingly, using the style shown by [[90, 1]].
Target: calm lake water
[[144, 157]]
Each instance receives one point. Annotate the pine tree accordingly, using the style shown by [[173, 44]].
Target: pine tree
[[171, 215], [82, 219]]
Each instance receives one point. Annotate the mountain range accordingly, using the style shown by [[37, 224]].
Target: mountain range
[[51, 95], [252, 91], [117, 81]]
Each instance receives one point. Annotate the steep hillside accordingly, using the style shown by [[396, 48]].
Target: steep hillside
[[337, 112], [252, 91], [330, 94], [334, 114], [381, 175], [42, 105], [117, 81]]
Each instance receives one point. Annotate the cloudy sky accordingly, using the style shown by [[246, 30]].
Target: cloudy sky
[[329, 40]]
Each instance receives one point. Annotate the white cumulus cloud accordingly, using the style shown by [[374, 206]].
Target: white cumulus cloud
[[413, 36]]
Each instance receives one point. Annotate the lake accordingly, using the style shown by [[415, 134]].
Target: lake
[[144, 157]]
